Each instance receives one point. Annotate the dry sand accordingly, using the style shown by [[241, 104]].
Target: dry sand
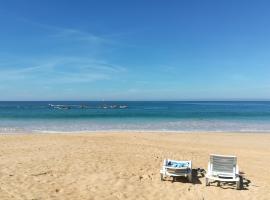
[[126, 165]]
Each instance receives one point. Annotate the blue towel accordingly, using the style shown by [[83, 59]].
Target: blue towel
[[178, 164]]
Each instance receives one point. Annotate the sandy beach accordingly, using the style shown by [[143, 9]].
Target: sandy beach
[[126, 165]]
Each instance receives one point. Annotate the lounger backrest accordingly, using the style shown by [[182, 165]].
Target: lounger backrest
[[223, 164]]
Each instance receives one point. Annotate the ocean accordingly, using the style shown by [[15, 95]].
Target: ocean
[[181, 116]]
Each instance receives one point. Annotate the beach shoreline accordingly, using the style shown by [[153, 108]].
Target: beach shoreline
[[98, 132], [125, 165]]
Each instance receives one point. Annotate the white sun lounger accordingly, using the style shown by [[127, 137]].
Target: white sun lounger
[[174, 168], [223, 168]]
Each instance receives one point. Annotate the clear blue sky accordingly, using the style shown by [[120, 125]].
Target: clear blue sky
[[134, 50]]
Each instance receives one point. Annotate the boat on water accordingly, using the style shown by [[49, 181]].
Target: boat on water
[[60, 107], [123, 106], [84, 106], [66, 107]]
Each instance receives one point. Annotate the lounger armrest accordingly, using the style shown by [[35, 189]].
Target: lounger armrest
[[165, 162], [237, 170], [209, 167], [163, 170]]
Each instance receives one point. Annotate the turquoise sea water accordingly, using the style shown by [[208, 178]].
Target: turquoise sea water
[[75, 116]]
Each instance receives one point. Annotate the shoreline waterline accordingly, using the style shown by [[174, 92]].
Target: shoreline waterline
[[97, 132]]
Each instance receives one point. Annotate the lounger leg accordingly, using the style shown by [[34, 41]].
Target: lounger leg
[[239, 184], [161, 177], [190, 177], [207, 183]]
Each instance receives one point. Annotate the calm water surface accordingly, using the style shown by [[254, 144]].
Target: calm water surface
[[76, 116]]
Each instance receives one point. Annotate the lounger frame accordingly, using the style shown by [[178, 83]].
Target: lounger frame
[[223, 168], [169, 171]]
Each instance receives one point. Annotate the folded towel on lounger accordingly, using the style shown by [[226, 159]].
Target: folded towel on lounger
[[178, 164]]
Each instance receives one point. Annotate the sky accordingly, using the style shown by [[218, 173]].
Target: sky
[[134, 50]]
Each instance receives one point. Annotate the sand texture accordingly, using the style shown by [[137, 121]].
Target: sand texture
[[126, 165]]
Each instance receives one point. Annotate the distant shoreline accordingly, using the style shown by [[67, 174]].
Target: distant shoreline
[[132, 132]]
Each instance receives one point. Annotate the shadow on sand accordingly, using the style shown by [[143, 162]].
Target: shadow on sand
[[199, 174], [196, 175], [232, 185]]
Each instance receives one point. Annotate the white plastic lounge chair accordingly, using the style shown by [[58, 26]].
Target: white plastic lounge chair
[[174, 168], [223, 168]]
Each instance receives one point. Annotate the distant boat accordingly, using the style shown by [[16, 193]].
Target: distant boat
[[84, 106], [61, 107], [104, 106], [66, 107]]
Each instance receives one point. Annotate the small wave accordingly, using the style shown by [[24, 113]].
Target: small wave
[[79, 126]]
